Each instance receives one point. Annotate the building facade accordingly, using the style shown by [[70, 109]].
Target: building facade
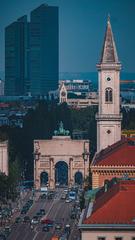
[[78, 101], [111, 215], [44, 48], [4, 157], [114, 161], [73, 155], [31, 53], [108, 117], [16, 57]]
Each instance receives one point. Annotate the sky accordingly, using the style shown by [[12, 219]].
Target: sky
[[82, 25]]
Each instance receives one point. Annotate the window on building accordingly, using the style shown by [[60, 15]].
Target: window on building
[[101, 238], [108, 95], [118, 238]]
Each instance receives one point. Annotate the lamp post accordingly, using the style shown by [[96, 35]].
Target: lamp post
[[36, 159], [85, 155]]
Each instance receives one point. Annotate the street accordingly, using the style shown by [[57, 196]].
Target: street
[[57, 210]]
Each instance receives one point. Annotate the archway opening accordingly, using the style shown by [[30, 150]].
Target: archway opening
[[61, 173], [43, 178], [78, 178]]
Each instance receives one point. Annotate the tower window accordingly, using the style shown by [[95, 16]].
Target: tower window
[[108, 95]]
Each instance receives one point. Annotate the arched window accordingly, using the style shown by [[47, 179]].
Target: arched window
[[108, 95]]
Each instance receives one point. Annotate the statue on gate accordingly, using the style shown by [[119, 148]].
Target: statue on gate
[[61, 131]]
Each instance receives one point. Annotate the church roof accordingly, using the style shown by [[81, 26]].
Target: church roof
[[109, 52], [121, 153], [116, 206]]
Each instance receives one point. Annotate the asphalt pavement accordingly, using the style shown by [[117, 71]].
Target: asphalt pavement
[[56, 209]]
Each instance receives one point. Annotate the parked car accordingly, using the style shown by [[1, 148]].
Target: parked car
[[2, 236]]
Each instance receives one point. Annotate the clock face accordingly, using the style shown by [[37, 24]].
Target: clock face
[[63, 94], [108, 79]]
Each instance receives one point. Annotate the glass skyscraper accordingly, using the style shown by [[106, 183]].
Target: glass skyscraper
[[44, 48], [16, 57], [31, 53]]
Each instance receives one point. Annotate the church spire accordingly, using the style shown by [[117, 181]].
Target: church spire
[[109, 52]]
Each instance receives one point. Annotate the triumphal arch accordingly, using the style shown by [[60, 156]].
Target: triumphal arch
[[60, 160]]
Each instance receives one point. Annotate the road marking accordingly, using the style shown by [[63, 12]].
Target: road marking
[[36, 233]]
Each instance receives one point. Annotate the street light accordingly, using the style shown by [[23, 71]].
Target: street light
[[36, 159], [86, 154]]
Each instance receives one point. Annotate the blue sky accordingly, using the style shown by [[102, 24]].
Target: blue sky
[[82, 26]]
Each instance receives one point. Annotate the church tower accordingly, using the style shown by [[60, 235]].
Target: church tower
[[108, 117]]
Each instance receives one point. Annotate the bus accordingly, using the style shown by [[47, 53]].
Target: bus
[[72, 195]]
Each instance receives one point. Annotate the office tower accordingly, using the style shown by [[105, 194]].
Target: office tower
[[16, 57], [44, 49]]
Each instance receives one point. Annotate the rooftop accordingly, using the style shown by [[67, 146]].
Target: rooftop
[[116, 206], [121, 153]]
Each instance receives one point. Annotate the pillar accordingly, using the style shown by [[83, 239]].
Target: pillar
[[52, 175], [70, 172]]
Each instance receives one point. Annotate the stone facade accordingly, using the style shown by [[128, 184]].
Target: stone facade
[[60, 148]]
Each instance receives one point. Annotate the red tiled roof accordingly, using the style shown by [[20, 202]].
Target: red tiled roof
[[121, 153], [116, 206]]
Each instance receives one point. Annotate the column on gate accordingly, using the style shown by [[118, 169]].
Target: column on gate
[[70, 178], [52, 175]]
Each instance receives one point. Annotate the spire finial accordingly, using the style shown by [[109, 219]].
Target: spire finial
[[108, 19]]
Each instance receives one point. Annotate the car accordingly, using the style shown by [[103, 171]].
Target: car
[[7, 230], [68, 200], [23, 211], [58, 226], [45, 228], [66, 190], [26, 219], [47, 221], [63, 197], [35, 220], [38, 214], [18, 220], [42, 211], [67, 229], [2, 236], [43, 196], [64, 237]]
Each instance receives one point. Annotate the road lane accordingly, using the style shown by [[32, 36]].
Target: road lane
[[56, 209]]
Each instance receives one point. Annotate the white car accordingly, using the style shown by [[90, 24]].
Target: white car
[[68, 200], [34, 220]]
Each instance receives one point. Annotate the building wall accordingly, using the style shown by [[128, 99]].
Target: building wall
[[114, 83], [44, 47], [4, 157], [109, 235], [108, 132], [16, 49], [98, 177], [60, 148], [108, 117]]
